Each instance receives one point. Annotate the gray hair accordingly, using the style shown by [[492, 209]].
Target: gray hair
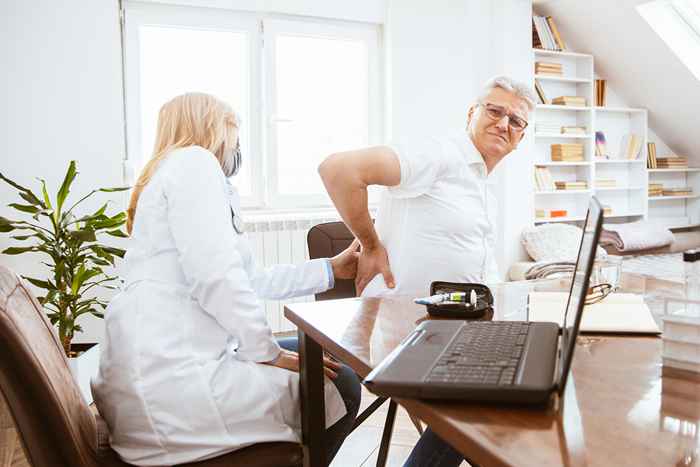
[[521, 90]]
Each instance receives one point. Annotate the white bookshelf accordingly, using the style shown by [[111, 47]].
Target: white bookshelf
[[628, 199]]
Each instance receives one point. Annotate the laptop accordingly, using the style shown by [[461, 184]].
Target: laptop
[[492, 361]]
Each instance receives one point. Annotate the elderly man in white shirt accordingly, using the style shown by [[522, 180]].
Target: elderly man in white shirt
[[435, 218]]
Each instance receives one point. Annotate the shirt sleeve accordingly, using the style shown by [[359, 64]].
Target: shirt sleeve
[[287, 280], [422, 163], [200, 222]]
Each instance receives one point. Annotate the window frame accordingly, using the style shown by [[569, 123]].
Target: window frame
[[139, 14], [274, 26], [261, 29]]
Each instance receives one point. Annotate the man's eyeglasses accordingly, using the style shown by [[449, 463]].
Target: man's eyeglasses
[[497, 112]]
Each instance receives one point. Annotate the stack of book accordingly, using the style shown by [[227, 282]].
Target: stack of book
[[656, 189], [548, 68], [672, 162], [543, 179], [571, 101], [678, 191], [600, 92], [545, 34], [548, 128], [567, 152], [630, 146], [573, 130], [601, 149], [651, 156], [577, 185], [605, 183], [607, 210], [550, 213]]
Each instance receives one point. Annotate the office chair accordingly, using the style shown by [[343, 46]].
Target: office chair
[[56, 426], [325, 241]]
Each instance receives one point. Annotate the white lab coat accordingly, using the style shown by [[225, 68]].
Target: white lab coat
[[178, 379]]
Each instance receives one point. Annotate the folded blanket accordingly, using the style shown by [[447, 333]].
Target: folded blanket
[[635, 236]]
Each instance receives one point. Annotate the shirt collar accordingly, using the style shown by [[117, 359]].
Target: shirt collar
[[471, 154]]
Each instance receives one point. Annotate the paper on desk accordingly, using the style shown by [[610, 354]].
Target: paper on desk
[[619, 312]]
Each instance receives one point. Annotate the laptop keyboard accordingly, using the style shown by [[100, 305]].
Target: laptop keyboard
[[483, 352]]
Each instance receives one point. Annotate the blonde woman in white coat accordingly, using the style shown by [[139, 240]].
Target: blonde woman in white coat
[[190, 369]]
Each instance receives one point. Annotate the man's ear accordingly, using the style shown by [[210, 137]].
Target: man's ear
[[522, 135], [470, 115]]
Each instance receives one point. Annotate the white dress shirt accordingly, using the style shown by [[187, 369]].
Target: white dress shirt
[[179, 378], [436, 224]]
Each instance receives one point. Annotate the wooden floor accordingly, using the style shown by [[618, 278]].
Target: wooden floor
[[359, 450], [362, 446]]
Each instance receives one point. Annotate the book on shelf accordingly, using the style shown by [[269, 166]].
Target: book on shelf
[[601, 149], [573, 130], [555, 33], [540, 93], [567, 152], [605, 183], [656, 189], [571, 101], [545, 33], [600, 92], [651, 155], [549, 68], [543, 179], [607, 210], [550, 213], [577, 185], [672, 162], [630, 146], [678, 191]]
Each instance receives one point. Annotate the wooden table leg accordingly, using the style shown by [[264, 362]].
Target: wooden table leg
[[313, 411]]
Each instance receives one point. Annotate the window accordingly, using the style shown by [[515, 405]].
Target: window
[[303, 88], [677, 22]]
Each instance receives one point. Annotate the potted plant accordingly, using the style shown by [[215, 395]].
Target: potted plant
[[76, 261]]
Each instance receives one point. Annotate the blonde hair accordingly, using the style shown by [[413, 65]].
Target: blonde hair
[[192, 119]]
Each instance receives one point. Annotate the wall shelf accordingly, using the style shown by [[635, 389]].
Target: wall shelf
[[561, 164], [618, 161], [563, 79], [562, 107], [687, 169], [563, 192], [563, 136], [542, 220], [556, 53], [619, 109], [680, 197], [619, 188]]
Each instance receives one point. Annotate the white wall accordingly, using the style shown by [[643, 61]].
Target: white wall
[[439, 54], [61, 78]]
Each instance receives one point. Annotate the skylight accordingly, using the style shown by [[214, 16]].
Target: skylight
[[677, 22]]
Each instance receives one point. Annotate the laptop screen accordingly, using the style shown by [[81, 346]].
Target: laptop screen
[[579, 288]]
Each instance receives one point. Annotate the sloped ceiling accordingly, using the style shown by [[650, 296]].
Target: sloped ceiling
[[638, 65]]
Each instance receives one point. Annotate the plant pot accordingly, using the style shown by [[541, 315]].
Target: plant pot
[[84, 367]]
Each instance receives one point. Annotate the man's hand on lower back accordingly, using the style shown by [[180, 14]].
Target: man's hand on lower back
[[373, 261]]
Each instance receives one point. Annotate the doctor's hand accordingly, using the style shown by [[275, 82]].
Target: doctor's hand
[[290, 361], [345, 263], [373, 261]]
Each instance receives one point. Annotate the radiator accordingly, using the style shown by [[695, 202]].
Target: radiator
[[281, 239]]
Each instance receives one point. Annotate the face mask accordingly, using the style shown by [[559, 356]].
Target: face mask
[[232, 161]]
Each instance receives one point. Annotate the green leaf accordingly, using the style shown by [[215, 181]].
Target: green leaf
[[14, 184], [22, 237], [82, 276], [6, 225], [39, 283], [115, 251], [17, 250], [112, 190], [25, 208], [83, 235], [65, 189], [45, 194], [118, 233], [31, 198]]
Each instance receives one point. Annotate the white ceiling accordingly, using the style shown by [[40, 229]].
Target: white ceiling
[[637, 64]]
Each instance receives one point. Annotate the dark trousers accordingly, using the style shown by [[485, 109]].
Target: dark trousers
[[432, 451], [348, 385]]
